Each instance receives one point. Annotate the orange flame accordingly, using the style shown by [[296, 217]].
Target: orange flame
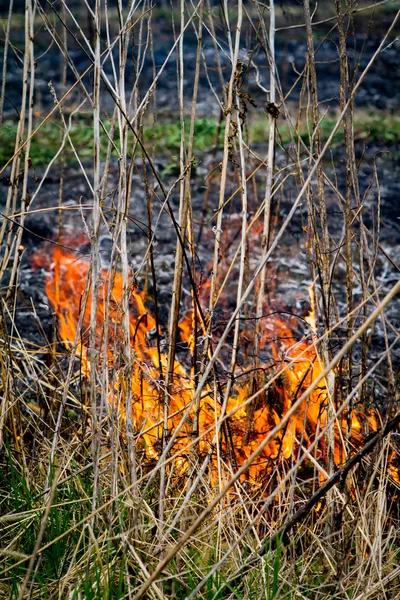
[[66, 281]]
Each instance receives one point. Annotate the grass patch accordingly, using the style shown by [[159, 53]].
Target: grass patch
[[44, 146], [23, 501], [376, 127]]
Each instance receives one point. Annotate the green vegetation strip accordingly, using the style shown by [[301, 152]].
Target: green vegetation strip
[[375, 127]]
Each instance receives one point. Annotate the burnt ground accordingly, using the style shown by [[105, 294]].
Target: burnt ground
[[289, 270], [289, 273], [380, 89]]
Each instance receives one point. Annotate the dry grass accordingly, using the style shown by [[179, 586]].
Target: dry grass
[[87, 511]]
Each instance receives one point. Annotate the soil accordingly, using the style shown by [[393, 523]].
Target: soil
[[380, 89], [289, 273]]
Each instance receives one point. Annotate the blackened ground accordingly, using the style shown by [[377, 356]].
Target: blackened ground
[[289, 268], [380, 89]]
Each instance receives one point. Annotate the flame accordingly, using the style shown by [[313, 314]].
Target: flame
[[66, 281], [311, 317]]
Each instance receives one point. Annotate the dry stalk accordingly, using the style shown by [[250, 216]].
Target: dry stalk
[[321, 243], [95, 258], [5, 57], [272, 116]]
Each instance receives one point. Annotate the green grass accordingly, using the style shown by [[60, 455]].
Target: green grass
[[72, 503], [46, 143], [376, 127]]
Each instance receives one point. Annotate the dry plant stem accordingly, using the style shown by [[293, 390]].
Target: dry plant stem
[[333, 363], [6, 406], [322, 246], [242, 264], [225, 162], [184, 198], [234, 54], [121, 394], [347, 123], [200, 472], [149, 186], [187, 213], [267, 199], [5, 56], [271, 153], [28, 82], [62, 171], [354, 191], [123, 209], [208, 183], [12, 191], [217, 240], [211, 31], [14, 238], [95, 258]]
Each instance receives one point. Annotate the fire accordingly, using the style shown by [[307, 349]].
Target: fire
[[66, 279]]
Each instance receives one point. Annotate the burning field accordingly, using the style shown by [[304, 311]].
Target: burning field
[[252, 408], [199, 324]]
